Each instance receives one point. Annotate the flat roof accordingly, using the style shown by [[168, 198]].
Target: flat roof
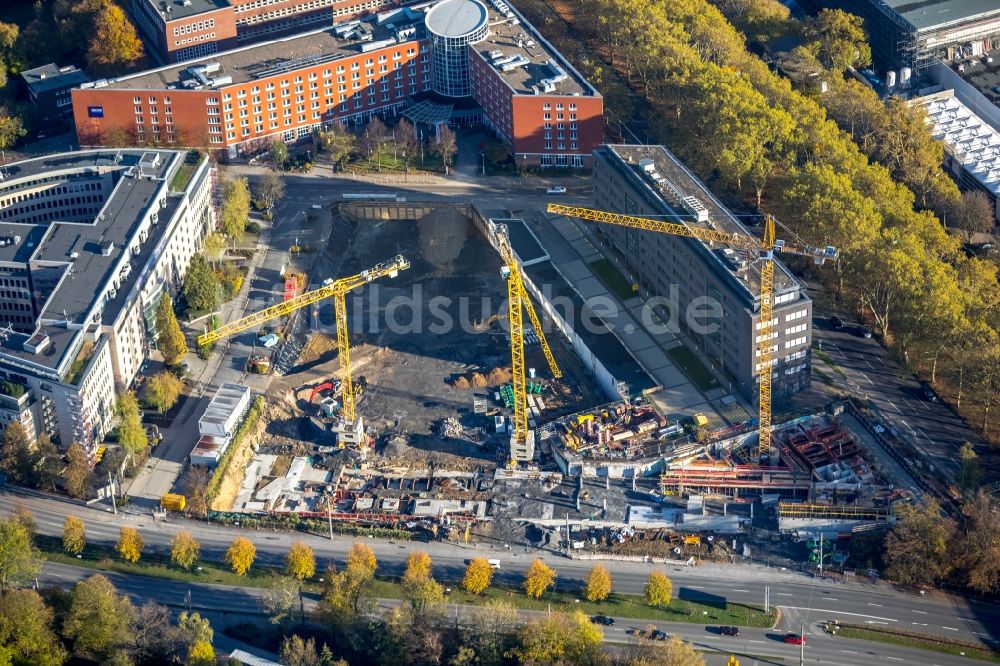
[[99, 245], [52, 77], [261, 60], [719, 217], [514, 36], [172, 10], [456, 18], [930, 14], [970, 139]]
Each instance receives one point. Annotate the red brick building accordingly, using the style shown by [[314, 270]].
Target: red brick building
[[459, 54]]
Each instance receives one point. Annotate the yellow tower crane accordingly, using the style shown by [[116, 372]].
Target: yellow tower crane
[[337, 290], [765, 248], [518, 302]]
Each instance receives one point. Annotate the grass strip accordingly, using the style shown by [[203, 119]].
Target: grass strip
[[826, 358], [920, 642], [612, 278], [156, 565], [691, 365]]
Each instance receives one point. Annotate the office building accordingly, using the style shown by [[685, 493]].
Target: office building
[[89, 241], [460, 62], [690, 276], [48, 89]]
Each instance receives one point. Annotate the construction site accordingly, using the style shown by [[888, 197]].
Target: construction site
[[404, 408]]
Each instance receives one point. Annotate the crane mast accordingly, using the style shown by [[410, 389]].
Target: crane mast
[[337, 290], [765, 247], [518, 302]]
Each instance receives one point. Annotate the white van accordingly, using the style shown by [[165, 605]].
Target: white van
[[494, 564]]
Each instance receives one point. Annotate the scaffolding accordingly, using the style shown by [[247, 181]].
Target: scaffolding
[[830, 512], [732, 479]]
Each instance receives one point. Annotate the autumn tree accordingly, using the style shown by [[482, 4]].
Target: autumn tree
[[184, 550], [538, 579], [300, 562], [114, 45], [446, 146], [26, 630], [418, 567], [344, 590], [170, 339], [279, 154], [162, 390], [419, 585], [79, 475], [916, 549], [672, 652], [201, 654], [478, 576], [240, 555], [74, 536], [235, 209], [598, 585], [361, 558], [298, 652], [131, 433], [194, 628], [977, 547], [195, 485], [215, 248], [98, 619], [973, 214], [19, 560], [130, 544], [659, 589], [338, 143], [267, 190], [19, 459], [11, 129], [202, 290], [560, 638], [838, 39]]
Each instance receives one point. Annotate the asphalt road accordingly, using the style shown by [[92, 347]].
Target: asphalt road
[[225, 604], [803, 600], [932, 427]]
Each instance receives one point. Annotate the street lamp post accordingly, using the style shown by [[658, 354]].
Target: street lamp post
[[482, 154]]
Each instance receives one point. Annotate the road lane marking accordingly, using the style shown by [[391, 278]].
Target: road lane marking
[[875, 622], [894, 658], [696, 587], [755, 641], [832, 599], [919, 624], [950, 628], [868, 380], [741, 591], [827, 610], [871, 604], [921, 612], [848, 651], [894, 406], [784, 594]]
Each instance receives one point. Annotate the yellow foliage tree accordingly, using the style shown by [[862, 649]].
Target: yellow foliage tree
[[129, 544], [300, 563], [240, 555], [418, 568], [538, 578], [115, 44], [478, 576], [361, 560], [598, 584], [74, 535], [184, 550], [659, 589], [201, 653]]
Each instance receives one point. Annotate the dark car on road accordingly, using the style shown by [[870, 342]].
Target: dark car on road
[[658, 635], [603, 619], [836, 323], [927, 393], [795, 639], [862, 331], [729, 631]]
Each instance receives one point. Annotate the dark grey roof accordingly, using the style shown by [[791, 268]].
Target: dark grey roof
[[930, 14], [52, 77]]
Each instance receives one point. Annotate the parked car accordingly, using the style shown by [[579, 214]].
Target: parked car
[[863, 331], [556, 189], [603, 619], [729, 631], [836, 323], [795, 639], [927, 393]]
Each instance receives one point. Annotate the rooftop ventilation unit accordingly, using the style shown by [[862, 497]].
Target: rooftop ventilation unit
[[558, 76], [36, 343], [517, 61], [696, 208]]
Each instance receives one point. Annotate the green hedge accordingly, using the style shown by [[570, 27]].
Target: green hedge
[[244, 431]]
